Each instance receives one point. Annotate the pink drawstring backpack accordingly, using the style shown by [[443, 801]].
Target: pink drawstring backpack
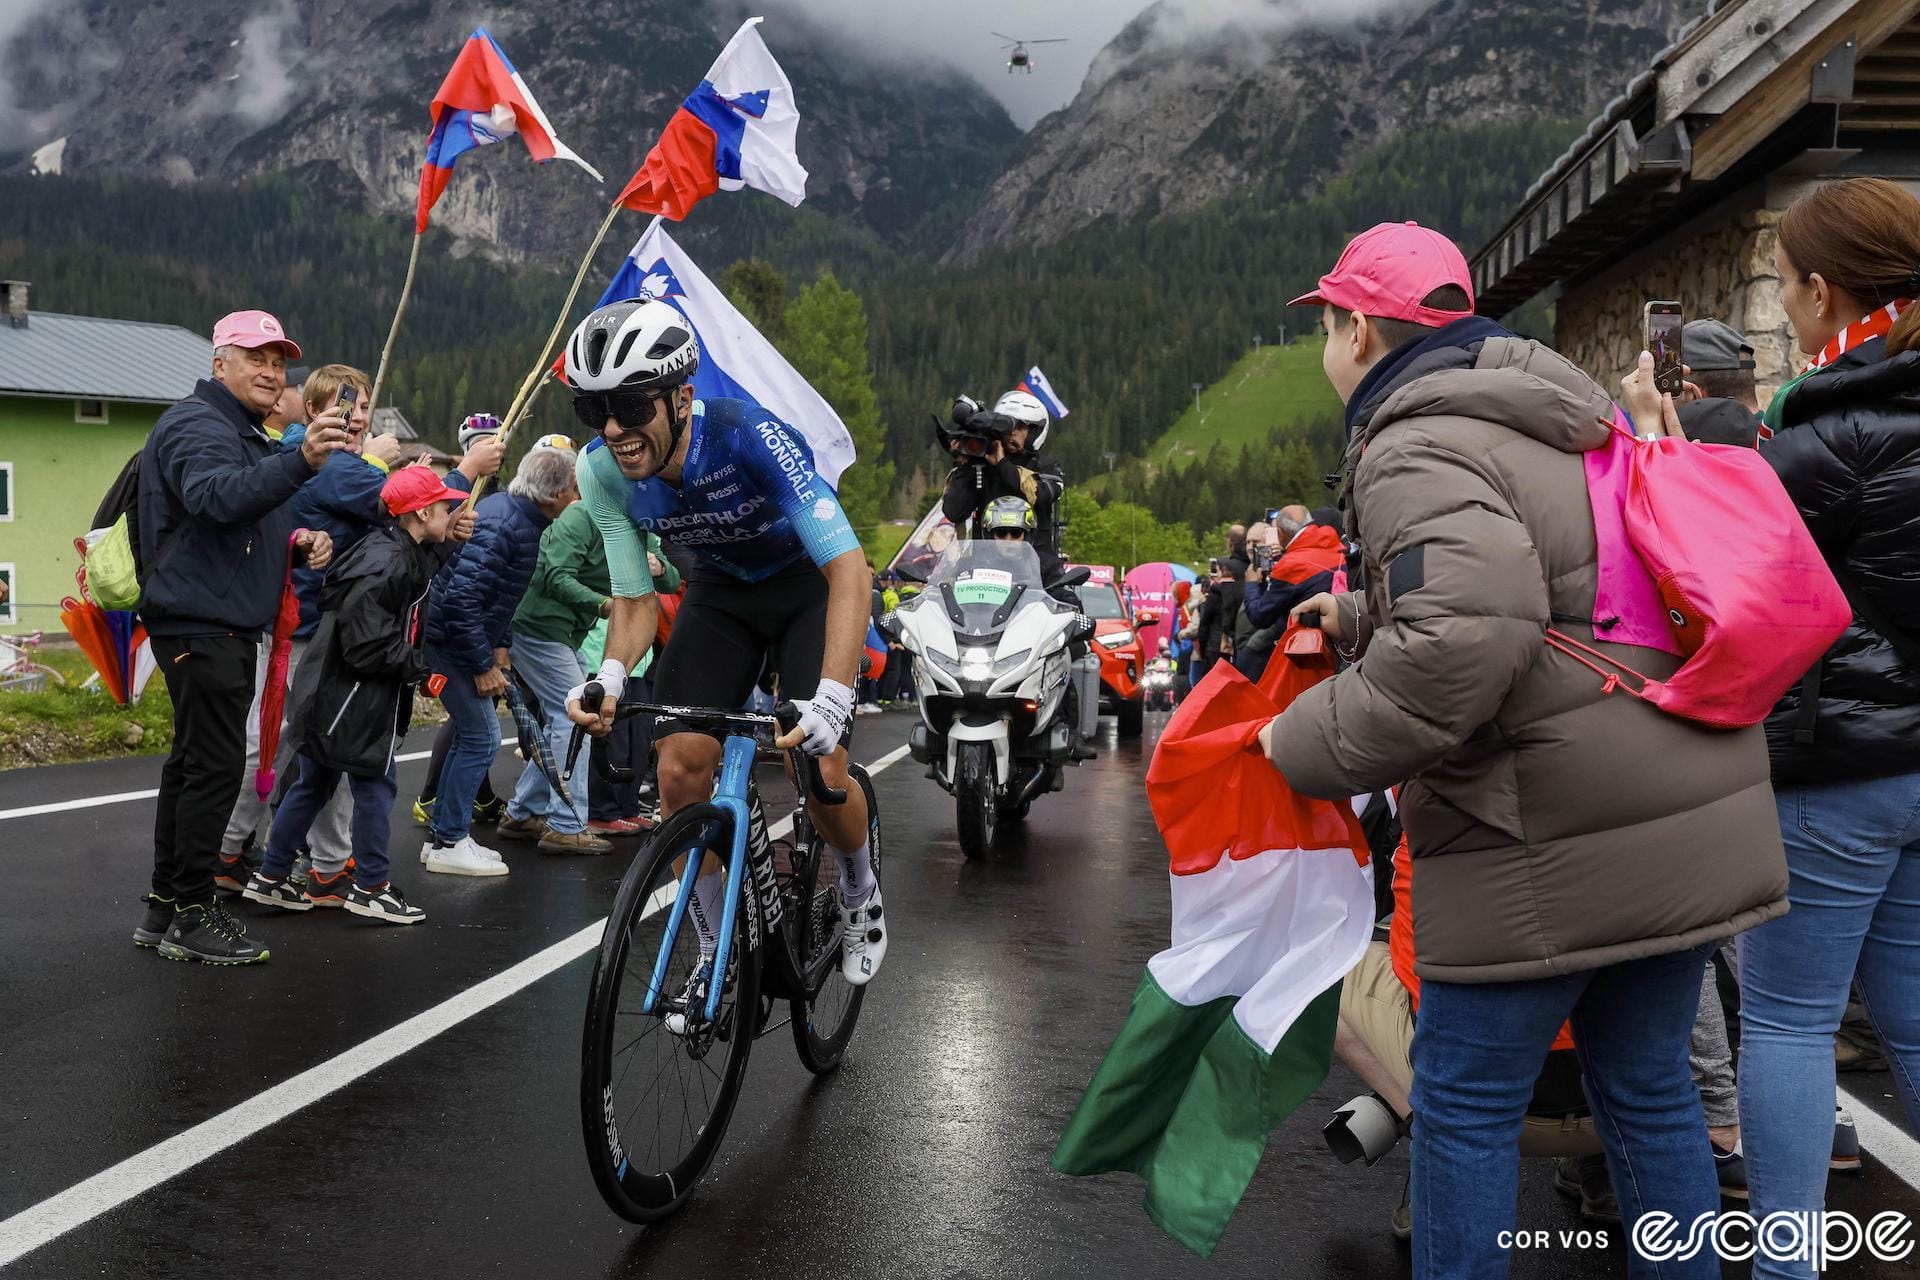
[[1749, 602]]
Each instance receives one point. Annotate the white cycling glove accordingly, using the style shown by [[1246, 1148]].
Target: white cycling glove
[[612, 679], [824, 716]]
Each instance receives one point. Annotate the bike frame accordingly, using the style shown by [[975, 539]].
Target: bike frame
[[731, 797]]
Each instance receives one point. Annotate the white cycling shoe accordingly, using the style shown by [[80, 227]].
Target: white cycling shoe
[[863, 940]]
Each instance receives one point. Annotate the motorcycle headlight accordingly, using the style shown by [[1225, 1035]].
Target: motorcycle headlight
[[976, 664], [1011, 662]]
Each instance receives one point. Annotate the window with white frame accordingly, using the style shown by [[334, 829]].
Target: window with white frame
[[9, 608], [89, 410], [6, 492]]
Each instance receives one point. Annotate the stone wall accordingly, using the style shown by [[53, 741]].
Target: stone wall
[[1718, 266]]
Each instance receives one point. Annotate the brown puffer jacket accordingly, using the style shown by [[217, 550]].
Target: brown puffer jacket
[[1559, 828]]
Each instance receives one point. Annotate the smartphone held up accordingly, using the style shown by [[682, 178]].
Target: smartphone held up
[[1663, 339]]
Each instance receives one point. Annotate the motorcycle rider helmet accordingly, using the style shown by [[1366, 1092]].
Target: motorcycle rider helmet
[[1025, 408], [635, 345], [475, 425], [1008, 517]]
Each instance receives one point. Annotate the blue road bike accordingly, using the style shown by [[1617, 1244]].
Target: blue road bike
[[667, 1032]]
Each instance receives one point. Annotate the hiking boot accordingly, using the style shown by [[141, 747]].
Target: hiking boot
[[863, 940], [232, 871], [1731, 1167], [582, 843], [154, 925], [462, 858], [1584, 1178], [274, 891], [385, 904], [1846, 1144], [204, 931], [330, 891], [531, 827]]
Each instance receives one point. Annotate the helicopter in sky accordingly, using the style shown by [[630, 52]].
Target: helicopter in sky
[[1019, 59]]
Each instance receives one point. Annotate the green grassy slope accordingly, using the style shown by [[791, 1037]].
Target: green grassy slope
[[1274, 386]]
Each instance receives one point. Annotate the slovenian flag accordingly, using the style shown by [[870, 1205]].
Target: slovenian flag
[[738, 129], [1036, 385], [1231, 1027], [736, 362], [482, 100]]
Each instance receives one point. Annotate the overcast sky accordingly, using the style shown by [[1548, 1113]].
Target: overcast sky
[[960, 34]]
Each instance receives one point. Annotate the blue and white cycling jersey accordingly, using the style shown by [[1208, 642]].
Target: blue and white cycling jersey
[[748, 502]]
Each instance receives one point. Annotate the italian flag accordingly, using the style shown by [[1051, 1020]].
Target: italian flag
[[1232, 1026]]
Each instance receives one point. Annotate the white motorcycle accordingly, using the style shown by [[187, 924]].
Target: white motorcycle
[[991, 667]]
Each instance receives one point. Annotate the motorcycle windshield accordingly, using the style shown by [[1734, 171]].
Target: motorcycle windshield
[[976, 580]]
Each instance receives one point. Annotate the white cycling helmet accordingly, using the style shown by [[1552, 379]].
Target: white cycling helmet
[[1024, 407], [632, 346]]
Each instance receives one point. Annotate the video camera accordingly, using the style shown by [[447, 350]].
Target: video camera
[[971, 431]]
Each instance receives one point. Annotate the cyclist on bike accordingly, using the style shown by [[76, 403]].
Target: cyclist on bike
[[777, 571]]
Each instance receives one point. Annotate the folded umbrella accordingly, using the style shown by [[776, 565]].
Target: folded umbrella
[[273, 695], [87, 623], [533, 737]]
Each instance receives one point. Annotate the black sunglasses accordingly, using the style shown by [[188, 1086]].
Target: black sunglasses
[[633, 410]]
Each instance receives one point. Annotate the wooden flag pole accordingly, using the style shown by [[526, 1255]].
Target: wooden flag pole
[[386, 352], [560, 322]]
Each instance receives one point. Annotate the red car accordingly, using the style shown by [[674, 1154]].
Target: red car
[[1116, 639]]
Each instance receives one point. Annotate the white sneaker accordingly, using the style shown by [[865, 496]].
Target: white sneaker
[[462, 859], [867, 709], [863, 940], [491, 855]]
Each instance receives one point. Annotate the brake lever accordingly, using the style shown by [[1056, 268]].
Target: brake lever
[[786, 715]]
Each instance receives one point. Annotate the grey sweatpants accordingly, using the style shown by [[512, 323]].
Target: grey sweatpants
[[330, 840], [1712, 1056]]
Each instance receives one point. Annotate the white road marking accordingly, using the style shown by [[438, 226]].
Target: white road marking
[[126, 797], [1887, 1142], [136, 1175]]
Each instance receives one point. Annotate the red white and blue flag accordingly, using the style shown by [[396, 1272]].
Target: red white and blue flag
[[736, 361], [482, 100], [738, 129], [1036, 385]]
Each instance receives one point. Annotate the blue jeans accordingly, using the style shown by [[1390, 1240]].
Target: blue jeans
[[550, 669], [1853, 855], [476, 739], [309, 794], [1477, 1050]]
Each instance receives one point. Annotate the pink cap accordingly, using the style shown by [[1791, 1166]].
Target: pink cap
[[1386, 271], [411, 488], [253, 329]]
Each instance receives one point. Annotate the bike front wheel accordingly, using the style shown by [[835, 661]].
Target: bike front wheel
[[823, 1025], [658, 1086]]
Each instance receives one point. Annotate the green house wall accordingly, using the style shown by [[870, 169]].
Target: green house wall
[[61, 470]]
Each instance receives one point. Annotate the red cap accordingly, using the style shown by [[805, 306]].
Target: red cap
[[1386, 271], [253, 329], [411, 488]]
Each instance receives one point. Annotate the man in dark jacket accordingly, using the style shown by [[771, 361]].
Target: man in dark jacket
[[362, 702], [1309, 555], [1016, 469], [216, 521], [1220, 614], [469, 630]]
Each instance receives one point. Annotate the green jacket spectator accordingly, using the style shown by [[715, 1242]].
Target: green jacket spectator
[[571, 581]]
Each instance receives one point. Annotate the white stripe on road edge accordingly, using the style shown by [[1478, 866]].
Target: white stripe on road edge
[[110, 1188], [124, 797], [1888, 1143]]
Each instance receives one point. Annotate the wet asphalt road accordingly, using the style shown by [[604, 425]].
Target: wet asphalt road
[[925, 1156]]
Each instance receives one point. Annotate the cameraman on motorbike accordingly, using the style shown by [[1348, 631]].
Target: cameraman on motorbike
[[997, 455]]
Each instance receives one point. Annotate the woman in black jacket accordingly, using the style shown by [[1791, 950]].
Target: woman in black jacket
[[373, 614], [1846, 742]]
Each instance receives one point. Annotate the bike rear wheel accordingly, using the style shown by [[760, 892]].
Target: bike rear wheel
[[654, 1106], [823, 1025]]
